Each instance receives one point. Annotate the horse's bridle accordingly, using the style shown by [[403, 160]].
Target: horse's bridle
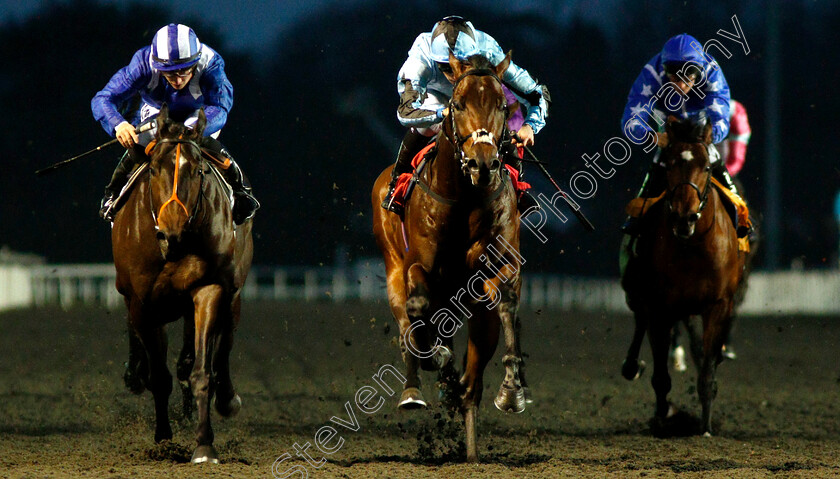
[[481, 135], [702, 195], [174, 198]]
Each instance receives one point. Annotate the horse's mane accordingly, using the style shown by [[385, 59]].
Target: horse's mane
[[479, 62], [689, 130]]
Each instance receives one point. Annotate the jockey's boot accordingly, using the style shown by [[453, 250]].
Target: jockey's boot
[[244, 203], [125, 165], [653, 185], [720, 173], [412, 143]]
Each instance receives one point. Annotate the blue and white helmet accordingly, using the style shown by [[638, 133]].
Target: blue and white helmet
[[462, 46], [175, 47]]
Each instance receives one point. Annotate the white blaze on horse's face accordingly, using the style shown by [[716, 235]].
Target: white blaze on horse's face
[[480, 155], [688, 190]]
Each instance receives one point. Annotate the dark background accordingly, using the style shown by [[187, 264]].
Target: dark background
[[314, 120]]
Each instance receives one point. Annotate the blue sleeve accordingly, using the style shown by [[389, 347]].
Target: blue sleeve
[[218, 95], [122, 86], [637, 119], [520, 82], [717, 103]]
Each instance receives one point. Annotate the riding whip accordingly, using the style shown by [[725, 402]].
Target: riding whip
[[140, 129], [584, 221]]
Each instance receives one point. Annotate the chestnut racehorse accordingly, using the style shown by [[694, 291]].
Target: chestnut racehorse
[[687, 263], [178, 254], [457, 253]]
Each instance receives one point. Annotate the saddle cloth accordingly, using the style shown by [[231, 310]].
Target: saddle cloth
[[736, 207], [403, 181]]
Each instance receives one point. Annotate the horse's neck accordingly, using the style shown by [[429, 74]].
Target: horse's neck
[[444, 174]]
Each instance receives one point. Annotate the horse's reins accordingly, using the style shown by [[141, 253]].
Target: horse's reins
[[480, 135], [174, 198], [703, 196]]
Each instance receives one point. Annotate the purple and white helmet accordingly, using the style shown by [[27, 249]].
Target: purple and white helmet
[[175, 47]]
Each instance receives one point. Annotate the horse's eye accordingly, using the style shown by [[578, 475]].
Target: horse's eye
[[457, 106], [153, 170]]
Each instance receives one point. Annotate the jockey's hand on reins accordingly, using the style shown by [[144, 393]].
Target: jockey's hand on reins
[[126, 134]]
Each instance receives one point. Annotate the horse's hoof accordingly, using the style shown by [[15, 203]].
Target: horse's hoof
[[437, 361], [228, 408], [205, 453], [412, 398], [442, 357], [133, 380], [632, 369], [510, 400], [529, 398]]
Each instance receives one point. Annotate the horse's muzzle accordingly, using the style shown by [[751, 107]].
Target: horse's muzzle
[[683, 226], [481, 172]]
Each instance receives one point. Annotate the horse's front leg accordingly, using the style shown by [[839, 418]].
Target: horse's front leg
[[632, 368], [433, 357], [136, 375], [228, 403], [517, 326], [716, 323], [186, 361], [411, 397], [659, 335], [207, 301], [483, 338], [511, 396], [153, 338]]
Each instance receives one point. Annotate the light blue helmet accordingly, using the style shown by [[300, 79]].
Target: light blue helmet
[[453, 34], [175, 47]]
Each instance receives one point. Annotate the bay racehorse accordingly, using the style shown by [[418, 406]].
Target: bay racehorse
[[686, 262], [456, 255], [178, 254]]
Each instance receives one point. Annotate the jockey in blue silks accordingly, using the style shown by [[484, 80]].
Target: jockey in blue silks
[[425, 84], [187, 75], [684, 81]]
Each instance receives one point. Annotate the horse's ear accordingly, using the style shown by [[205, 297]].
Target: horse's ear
[[163, 120], [457, 67], [198, 130], [707, 134], [502, 67]]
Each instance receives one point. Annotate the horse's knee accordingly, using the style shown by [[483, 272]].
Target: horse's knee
[[416, 306], [200, 382]]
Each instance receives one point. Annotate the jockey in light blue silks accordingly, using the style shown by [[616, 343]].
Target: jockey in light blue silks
[[683, 81], [187, 75], [425, 84]]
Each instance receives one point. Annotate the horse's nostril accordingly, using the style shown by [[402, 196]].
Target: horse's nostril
[[160, 236], [693, 217], [495, 165], [472, 163]]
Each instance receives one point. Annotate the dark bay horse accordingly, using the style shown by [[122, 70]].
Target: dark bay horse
[[178, 254], [687, 263], [457, 253]]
